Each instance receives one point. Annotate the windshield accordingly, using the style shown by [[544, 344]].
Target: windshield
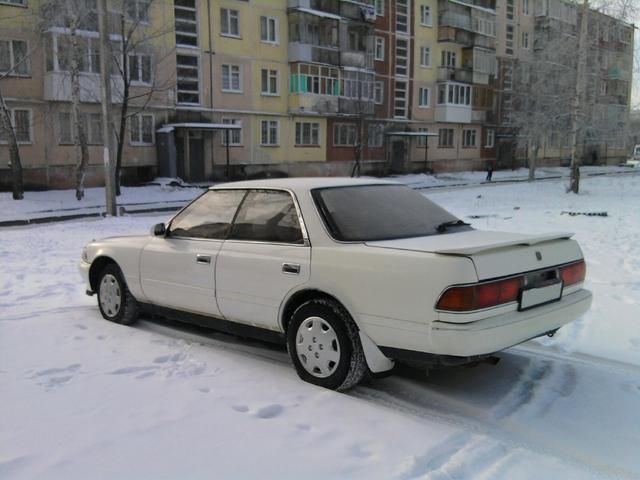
[[381, 212]]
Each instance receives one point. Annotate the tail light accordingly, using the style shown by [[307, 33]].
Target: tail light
[[481, 295], [574, 273]]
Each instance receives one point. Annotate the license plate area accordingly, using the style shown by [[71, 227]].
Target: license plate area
[[540, 288]]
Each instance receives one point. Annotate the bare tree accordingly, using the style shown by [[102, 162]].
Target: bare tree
[[6, 128], [136, 61]]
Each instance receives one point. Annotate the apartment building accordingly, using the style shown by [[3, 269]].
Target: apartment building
[[535, 33], [236, 88], [34, 64]]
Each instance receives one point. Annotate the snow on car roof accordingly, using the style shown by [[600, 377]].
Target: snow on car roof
[[304, 184]]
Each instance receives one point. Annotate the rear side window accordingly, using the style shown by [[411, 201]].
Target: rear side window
[[210, 216], [267, 216]]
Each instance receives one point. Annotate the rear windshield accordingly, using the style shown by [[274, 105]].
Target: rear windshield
[[381, 212]]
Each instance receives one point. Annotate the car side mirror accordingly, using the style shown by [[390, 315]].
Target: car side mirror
[[159, 230]]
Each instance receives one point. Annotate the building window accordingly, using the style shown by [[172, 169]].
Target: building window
[[91, 123], [469, 138], [375, 135], [378, 92], [448, 59], [445, 138], [510, 9], [314, 79], [231, 78], [379, 51], [229, 22], [490, 139], [140, 68], [186, 23], [400, 100], [188, 84], [269, 81], [141, 129], [525, 40], [21, 122], [235, 135], [421, 142], [425, 57], [454, 94], [89, 54], [14, 57], [402, 57], [525, 7], [402, 16], [425, 15], [357, 85], [137, 10], [307, 134], [268, 29], [423, 97], [379, 6], [269, 132], [509, 42], [344, 134], [15, 2]]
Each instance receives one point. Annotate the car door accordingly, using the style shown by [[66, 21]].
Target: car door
[[266, 254], [177, 270]]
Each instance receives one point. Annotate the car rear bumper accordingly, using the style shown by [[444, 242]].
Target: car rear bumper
[[497, 333]]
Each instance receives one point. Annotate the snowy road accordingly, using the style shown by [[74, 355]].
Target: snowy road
[[83, 398]]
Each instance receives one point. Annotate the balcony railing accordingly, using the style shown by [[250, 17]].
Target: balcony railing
[[303, 52], [356, 59], [446, 74]]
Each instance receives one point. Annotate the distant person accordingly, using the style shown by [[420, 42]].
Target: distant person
[[489, 171]]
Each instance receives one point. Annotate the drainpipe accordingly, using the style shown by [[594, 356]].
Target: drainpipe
[[210, 84]]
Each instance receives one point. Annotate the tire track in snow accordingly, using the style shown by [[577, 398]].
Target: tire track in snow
[[52, 311]]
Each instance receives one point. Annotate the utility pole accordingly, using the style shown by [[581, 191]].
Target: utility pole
[[107, 135], [578, 98]]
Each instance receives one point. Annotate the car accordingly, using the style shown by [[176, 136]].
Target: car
[[353, 275]]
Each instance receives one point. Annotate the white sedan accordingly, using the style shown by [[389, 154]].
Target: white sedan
[[352, 274]]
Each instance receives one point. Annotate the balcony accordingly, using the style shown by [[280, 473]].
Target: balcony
[[303, 52], [354, 106], [446, 74], [358, 12], [465, 38], [319, 104], [327, 6], [356, 59], [57, 87], [453, 113]]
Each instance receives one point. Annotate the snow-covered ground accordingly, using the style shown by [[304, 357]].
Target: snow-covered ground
[[85, 398]]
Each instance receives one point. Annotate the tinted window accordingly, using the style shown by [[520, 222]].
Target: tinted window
[[210, 216], [267, 216], [380, 212]]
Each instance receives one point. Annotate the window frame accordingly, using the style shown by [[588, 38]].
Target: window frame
[[340, 125], [269, 71], [198, 79], [379, 42], [138, 19], [184, 33], [276, 29], [490, 134], [13, 125], [467, 135], [303, 228], [231, 121], [228, 33], [425, 50], [300, 135], [12, 72], [270, 124], [426, 8], [140, 119], [229, 67], [139, 57], [421, 104], [450, 136]]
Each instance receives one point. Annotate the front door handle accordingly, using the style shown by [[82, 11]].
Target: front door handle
[[291, 268], [203, 259]]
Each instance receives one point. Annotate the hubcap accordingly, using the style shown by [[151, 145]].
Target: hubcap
[[317, 347], [110, 296]]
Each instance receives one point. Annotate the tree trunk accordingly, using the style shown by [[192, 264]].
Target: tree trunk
[[14, 150], [80, 140], [122, 132], [578, 98], [533, 160]]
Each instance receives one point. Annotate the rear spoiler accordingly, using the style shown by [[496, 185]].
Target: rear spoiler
[[502, 240]]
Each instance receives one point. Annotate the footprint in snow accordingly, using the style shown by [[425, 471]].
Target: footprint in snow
[[56, 377], [80, 326], [240, 408], [270, 411]]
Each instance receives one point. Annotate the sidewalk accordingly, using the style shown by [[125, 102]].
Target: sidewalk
[[164, 195]]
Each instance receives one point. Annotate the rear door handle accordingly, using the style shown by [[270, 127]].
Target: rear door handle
[[203, 259], [291, 268]]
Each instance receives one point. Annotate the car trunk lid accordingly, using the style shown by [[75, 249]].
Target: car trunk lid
[[495, 254]]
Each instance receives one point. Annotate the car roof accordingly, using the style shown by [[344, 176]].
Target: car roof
[[304, 184]]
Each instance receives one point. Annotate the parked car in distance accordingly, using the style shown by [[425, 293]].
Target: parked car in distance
[[352, 274], [634, 160]]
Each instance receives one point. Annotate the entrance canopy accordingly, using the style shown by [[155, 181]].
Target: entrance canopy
[[170, 127], [411, 134]]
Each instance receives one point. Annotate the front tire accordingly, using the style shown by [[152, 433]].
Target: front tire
[[324, 345], [114, 298]]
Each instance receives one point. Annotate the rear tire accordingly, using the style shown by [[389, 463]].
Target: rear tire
[[114, 298], [324, 345]]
